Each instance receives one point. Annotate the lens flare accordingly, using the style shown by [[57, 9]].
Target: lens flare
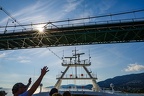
[[40, 28]]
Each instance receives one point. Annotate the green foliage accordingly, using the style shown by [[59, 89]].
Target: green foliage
[[132, 83]]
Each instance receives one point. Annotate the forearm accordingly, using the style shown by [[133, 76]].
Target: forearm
[[29, 82], [27, 86], [38, 81], [35, 85]]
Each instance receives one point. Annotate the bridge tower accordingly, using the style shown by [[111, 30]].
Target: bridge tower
[[75, 61]]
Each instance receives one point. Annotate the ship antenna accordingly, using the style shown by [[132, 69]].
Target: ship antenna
[[89, 56], [75, 61], [63, 55]]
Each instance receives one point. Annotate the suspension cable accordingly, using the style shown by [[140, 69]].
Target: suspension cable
[[54, 53], [90, 17], [1, 8]]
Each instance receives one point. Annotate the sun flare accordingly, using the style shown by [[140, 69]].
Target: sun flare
[[40, 28]]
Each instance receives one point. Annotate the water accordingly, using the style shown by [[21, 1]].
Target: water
[[9, 92]]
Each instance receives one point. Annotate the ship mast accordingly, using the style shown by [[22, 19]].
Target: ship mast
[[77, 62]]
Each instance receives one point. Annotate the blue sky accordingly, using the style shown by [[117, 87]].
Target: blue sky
[[108, 60]]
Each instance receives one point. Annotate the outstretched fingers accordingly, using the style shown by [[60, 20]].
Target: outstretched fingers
[[44, 70]]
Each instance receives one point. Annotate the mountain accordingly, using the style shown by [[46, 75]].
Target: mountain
[[127, 83], [133, 83]]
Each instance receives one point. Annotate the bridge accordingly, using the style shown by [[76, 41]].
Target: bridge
[[82, 31]]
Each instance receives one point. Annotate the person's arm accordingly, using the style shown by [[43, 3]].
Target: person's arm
[[38, 81], [29, 82]]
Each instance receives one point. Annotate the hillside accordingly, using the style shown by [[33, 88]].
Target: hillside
[[128, 83], [133, 83]]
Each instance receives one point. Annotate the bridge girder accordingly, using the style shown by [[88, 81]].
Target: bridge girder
[[78, 35]]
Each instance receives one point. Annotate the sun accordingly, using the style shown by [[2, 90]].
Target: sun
[[40, 28]]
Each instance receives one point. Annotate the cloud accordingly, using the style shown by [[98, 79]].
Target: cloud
[[35, 12], [28, 14], [41, 12], [72, 5], [107, 5], [23, 59], [31, 13], [2, 55], [134, 67], [5, 54]]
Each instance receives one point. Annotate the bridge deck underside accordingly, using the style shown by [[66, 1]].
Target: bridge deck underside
[[78, 35]]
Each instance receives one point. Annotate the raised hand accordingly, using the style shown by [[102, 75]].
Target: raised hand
[[29, 81], [44, 70]]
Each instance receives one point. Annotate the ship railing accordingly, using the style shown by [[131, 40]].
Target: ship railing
[[76, 76], [66, 62]]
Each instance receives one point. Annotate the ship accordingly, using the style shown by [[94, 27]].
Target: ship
[[75, 61]]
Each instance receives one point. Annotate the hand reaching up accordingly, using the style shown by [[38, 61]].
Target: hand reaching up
[[29, 81], [44, 70]]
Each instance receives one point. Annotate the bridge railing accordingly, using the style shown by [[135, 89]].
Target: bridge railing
[[57, 26]]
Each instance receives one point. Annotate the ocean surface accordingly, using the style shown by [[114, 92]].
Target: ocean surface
[[9, 93]]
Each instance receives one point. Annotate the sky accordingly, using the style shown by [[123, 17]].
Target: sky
[[108, 60]]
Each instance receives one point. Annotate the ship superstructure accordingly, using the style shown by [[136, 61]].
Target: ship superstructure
[[75, 62]]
